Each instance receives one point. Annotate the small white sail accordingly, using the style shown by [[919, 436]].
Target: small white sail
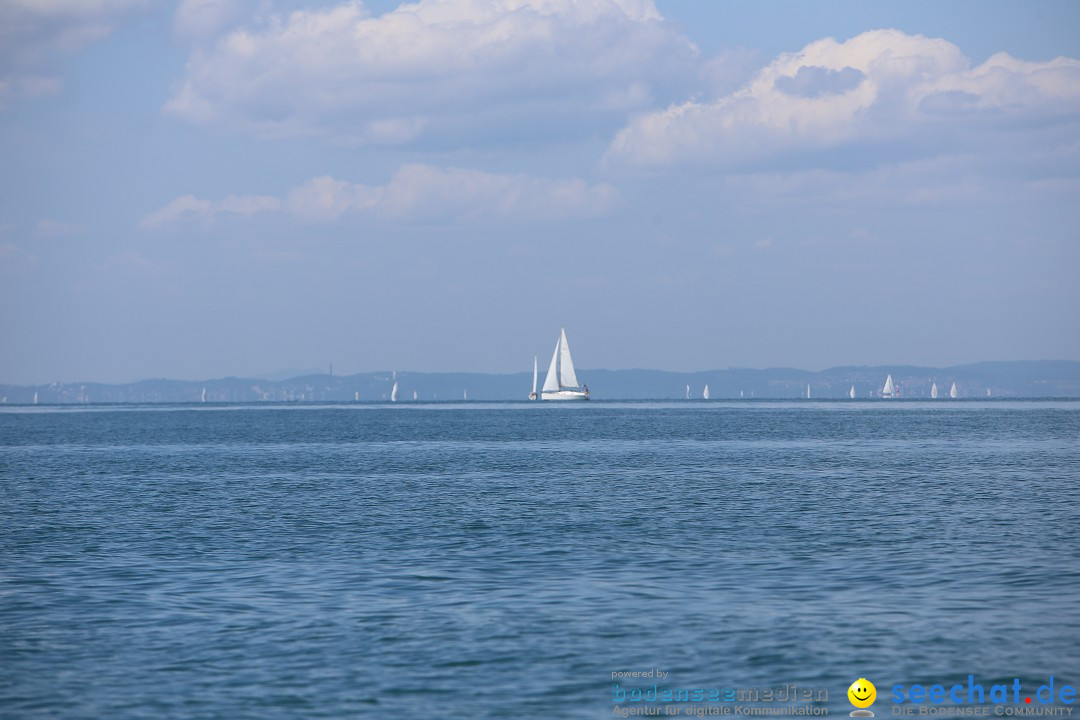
[[393, 392], [687, 392], [807, 391], [35, 397], [204, 395], [356, 396], [740, 393], [465, 394], [706, 393], [889, 390], [987, 392], [851, 392], [414, 395], [933, 391], [953, 393]]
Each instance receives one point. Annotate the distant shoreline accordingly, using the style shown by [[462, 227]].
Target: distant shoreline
[[1041, 379]]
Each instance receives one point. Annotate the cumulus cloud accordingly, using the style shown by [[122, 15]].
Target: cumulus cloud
[[441, 69], [416, 193], [879, 87], [33, 32]]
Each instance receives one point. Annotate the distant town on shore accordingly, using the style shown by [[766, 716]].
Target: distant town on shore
[[1009, 379]]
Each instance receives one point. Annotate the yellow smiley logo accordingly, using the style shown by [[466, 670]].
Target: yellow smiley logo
[[862, 693]]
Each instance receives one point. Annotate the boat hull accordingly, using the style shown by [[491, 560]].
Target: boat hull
[[564, 395]]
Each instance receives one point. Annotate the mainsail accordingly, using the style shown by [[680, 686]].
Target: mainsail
[[952, 392], [561, 371], [933, 391], [393, 393], [706, 393], [851, 392], [888, 390]]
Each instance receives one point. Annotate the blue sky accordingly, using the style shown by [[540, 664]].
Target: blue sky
[[234, 187]]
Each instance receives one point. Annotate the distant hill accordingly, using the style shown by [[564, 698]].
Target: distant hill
[[1020, 379]]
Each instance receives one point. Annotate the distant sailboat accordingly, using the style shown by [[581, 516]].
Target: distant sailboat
[[953, 393], [851, 392], [35, 398], [414, 395], [204, 395], [561, 382], [533, 395], [987, 392], [687, 392], [706, 393], [356, 396], [465, 394], [889, 391], [393, 392], [741, 393], [933, 391], [807, 391]]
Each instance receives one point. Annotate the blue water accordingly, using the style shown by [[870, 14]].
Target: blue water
[[502, 561]]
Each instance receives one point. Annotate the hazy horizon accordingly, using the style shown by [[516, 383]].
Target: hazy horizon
[[210, 188]]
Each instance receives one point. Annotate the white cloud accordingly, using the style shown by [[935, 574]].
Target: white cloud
[[416, 193], [881, 86], [188, 208], [33, 32], [442, 69]]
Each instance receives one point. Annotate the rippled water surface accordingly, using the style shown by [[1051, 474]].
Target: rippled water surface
[[502, 561]]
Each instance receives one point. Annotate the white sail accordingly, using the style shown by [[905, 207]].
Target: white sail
[[952, 392], [933, 391], [889, 390], [204, 395], [567, 377], [851, 392], [706, 393], [465, 394], [415, 396], [987, 392], [356, 396], [687, 392], [551, 382], [807, 391], [393, 393], [35, 398]]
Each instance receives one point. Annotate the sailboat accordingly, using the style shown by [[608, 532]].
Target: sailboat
[[561, 382], [533, 395], [687, 392], [393, 392], [415, 396], [933, 391], [807, 391], [851, 392], [705, 394], [889, 391], [204, 395], [952, 392]]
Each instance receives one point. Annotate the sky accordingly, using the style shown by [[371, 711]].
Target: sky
[[211, 188]]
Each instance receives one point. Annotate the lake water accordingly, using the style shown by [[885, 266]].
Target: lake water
[[503, 561]]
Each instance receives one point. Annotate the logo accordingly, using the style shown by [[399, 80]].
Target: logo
[[862, 694]]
